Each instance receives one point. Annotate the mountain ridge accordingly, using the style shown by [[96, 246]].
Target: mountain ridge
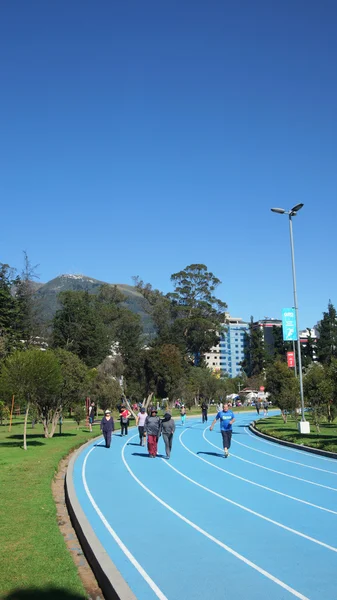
[[46, 296]]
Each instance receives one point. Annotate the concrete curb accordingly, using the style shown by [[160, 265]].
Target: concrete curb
[[291, 444], [111, 582]]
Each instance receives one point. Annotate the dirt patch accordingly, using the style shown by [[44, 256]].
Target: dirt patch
[[88, 578]]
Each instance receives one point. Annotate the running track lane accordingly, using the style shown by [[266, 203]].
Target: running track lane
[[260, 524]]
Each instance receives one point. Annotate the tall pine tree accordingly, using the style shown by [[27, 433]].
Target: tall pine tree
[[327, 342], [255, 354]]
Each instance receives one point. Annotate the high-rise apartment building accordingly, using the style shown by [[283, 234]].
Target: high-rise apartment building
[[230, 352]]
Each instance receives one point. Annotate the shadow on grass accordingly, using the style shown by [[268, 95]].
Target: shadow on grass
[[42, 594], [30, 436], [20, 443]]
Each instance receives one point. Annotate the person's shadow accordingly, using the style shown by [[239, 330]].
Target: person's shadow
[[217, 454], [146, 455], [51, 593]]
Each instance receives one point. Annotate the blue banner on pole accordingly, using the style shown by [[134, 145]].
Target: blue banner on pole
[[289, 324]]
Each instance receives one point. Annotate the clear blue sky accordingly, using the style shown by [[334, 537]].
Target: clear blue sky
[[139, 137]]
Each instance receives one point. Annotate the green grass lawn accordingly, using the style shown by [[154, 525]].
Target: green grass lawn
[[32, 550], [325, 440]]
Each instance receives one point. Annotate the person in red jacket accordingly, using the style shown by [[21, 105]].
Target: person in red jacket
[[152, 427], [124, 418]]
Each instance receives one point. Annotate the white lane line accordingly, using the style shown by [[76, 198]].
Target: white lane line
[[327, 487], [264, 487], [294, 462], [209, 536], [249, 510], [275, 445], [117, 539]]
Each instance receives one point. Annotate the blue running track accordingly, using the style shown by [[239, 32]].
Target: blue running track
[[261, 524]]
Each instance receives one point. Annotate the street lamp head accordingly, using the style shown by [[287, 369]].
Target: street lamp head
[[296, 208], [281, 211]]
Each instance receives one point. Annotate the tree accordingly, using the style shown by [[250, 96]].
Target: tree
[[282, 387], [79, 414], [197, 314], [164, 370], [27, 309], [318, 389], [280, 348], [199, 383], [122, 325], [332, 402], [104, 387], [158, 306], [308, 350], [327, 341], [79, 328], [34, 377], [73, 390], [9, 330], [255, 354]]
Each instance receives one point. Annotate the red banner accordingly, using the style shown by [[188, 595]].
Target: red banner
[[291, 359]]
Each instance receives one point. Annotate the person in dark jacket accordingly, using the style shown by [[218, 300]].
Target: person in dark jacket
[[168, 427], [107, 427], [204, 410], [152, 428]]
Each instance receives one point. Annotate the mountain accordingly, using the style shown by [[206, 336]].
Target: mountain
[[46, 296]]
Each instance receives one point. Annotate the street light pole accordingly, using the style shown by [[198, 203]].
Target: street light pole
[[296, 313], [304, 426], [295, 363]]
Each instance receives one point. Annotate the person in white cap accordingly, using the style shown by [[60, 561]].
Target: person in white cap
[[107, 427]]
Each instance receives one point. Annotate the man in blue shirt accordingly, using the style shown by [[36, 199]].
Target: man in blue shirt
[[227, 419]]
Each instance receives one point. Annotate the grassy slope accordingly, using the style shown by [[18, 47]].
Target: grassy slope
[[32, 549], [325, 440]]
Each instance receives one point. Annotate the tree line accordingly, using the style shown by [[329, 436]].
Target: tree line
[[268, 367], [95, 346]]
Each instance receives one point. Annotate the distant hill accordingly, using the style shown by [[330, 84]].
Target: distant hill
[[46, 296]]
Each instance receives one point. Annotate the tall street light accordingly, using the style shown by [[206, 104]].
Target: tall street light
[[304, 426]]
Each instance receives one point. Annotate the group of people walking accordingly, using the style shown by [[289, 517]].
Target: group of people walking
[[108, 424], [151, 427]]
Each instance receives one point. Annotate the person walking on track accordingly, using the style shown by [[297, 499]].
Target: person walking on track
[[107, 427], [91, 415], [152, 427], [140, 422], [183, 414], [265, 408], [125, 416], [168, 427], [204, 410], [227, 418]]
